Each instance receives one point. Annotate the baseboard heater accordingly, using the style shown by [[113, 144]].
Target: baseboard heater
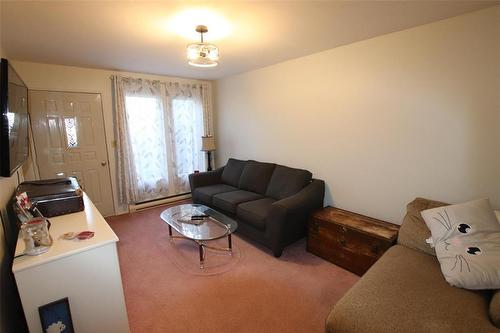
[[158, 202]]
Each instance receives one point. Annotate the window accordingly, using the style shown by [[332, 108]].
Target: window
[[146, 130], [71, 136], [187, 132], [160, 125]]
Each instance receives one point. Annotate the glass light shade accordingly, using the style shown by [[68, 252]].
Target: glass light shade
[[202, 55]]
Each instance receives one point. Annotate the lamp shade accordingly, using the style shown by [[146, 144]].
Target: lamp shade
[[207, 143]]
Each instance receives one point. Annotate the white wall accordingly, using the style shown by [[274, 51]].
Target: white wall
[[412, 113], [77, 79]]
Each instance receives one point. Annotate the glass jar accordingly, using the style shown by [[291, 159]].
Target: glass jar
[[36, 236]]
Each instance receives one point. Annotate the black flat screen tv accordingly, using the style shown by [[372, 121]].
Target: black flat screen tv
[[14, 122]]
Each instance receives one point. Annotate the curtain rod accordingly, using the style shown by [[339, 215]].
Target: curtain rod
[[112, 76]]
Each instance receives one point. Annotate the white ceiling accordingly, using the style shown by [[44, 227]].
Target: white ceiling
[[138, 36]]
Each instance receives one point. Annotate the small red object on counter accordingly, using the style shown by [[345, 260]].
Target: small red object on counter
[[85, 235]]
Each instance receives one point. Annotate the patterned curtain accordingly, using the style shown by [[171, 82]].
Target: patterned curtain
[[187, 119], [159, 130], [206, 100], [141, 145]]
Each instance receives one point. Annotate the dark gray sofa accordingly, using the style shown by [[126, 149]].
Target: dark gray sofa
[[271, 202]]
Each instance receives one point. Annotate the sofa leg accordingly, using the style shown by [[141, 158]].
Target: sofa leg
[[278, 253]]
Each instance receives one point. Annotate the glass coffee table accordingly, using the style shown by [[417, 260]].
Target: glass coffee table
[[211, 225]]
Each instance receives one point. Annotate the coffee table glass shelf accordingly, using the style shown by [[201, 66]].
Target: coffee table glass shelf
[[211, 225]]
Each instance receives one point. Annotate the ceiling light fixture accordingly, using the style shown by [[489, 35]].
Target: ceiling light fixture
[[202, 54]]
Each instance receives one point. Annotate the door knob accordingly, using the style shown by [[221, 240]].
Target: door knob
[[103, 163]]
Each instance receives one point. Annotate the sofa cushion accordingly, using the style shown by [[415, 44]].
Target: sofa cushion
[[287, 181], [232, 172], [255, 212], [413, 231], [404, 291], [495, 308], [255, 176], [204, 194], [228, 201]]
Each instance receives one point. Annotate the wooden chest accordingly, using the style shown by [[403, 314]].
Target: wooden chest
[[350, 240]]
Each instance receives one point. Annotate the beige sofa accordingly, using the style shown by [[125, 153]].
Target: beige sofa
[[405, 291]]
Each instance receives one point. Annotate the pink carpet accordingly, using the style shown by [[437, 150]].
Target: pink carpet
[[256, 293]]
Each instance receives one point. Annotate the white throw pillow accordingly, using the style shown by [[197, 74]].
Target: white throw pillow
[[497, 212], [467, 242]]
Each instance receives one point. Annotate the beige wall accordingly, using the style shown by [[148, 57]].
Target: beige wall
[[7, 187], [412, 113], [66, 78]]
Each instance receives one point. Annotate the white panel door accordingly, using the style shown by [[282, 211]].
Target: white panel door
[[68, 131]]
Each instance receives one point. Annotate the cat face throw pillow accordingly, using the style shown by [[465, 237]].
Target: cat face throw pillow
[[466, 238]]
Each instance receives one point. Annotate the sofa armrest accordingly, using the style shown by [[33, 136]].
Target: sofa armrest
[[495, 308], [309, 198], [205, 178], [287, 220]]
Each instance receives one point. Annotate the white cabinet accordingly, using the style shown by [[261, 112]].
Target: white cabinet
[[87, 272]]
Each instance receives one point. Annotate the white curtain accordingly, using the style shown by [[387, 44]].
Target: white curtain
[[185, 111], [159, 129]]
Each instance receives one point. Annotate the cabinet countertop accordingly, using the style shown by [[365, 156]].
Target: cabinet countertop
[[88, 219]]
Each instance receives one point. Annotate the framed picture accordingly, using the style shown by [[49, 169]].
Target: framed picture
[[56, 317]]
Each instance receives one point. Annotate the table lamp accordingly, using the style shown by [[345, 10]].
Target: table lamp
[[208, 145]]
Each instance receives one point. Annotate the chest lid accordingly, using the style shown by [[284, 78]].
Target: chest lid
[[361, 223]]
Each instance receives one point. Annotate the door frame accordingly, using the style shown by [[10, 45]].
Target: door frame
[[104, 127]]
